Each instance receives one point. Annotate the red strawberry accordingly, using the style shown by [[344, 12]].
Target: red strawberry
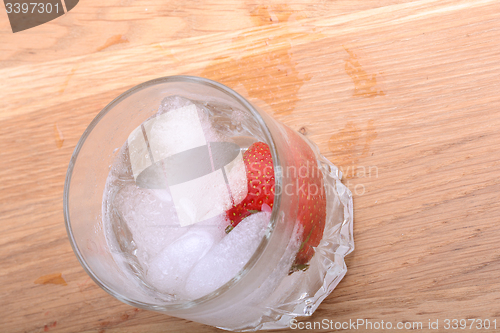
[[311, 199], [260, 178]]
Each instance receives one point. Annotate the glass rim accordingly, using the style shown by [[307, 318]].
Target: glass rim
[[178, 305]]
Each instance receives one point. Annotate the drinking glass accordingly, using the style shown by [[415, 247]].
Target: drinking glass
[[264, 294]]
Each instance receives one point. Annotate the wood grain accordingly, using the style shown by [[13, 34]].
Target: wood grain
[[88, 27], [401, 95]]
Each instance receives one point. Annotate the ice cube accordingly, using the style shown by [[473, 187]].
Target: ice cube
[[237, 179], [169, 270], [150, 216], [227, 257], [215, 225], [173, 132], [173, 102], [176, 102]]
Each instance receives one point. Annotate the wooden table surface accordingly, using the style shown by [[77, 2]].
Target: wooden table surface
[[404, 96]]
